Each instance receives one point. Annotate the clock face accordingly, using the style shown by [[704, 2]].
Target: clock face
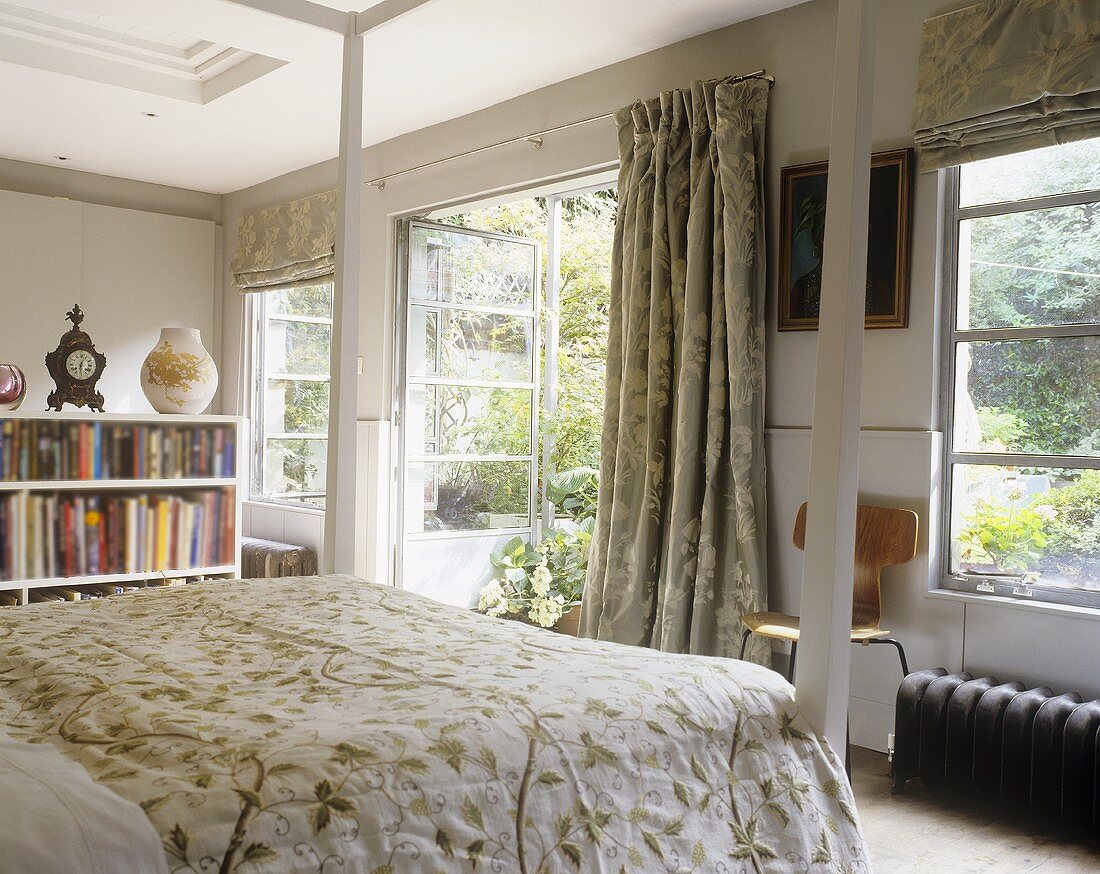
[[80, 364]]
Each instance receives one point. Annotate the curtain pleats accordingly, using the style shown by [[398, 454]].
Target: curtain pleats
[[678, 554]]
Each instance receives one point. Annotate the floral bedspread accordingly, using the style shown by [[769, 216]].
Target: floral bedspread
[[327, 724]]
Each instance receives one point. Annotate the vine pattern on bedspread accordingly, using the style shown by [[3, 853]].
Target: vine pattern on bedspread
[[326, 724]]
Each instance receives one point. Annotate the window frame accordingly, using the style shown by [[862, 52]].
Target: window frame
[[953, 214], [259, 318], [403, 382]]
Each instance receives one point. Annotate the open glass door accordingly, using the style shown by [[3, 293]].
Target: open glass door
[[468, 439]]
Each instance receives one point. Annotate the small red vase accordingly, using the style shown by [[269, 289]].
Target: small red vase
[[13, 387]]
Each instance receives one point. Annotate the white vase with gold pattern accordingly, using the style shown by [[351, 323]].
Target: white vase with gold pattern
[[179, 376]]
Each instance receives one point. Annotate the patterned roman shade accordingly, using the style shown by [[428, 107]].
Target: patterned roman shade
[[286, 245], [1006, 76]]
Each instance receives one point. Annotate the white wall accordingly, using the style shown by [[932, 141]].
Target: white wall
[[132, 272], [899, 462]]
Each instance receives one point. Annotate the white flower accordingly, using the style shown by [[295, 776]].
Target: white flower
[[493, 601], [541, 578], [546, 611], [1047, 512]]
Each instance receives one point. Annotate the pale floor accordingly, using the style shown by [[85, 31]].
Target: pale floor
[[921, 832]]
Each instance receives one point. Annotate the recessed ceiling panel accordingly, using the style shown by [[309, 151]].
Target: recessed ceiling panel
[[128, 54], [213, 95]]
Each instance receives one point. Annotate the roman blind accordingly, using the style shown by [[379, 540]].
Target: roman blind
[[1006, 76], [287, 244]]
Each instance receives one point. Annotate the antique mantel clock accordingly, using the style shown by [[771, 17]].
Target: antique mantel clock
[[76, 367]]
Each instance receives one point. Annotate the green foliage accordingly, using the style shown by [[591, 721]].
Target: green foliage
[[1009, 537], [1073, 535], [566, 549], [1038, 267], [574, 492], [538, 584], [1001, 429]]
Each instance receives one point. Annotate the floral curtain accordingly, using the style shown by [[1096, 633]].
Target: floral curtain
[[287, 244], [1007, 76], [678, 554]]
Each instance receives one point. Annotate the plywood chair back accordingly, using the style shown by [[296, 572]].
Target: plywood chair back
[[884, 536]]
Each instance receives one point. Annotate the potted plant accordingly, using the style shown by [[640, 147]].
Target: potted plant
[[541, 584]]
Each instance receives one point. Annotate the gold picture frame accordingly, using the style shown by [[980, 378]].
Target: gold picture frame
[[801, 234]]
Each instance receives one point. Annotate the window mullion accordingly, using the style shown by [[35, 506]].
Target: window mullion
[[550, 351], [1021, 459], [1044, 332], [1027, 204]]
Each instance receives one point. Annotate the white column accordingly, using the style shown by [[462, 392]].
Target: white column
[[824, 650], [340, 522]]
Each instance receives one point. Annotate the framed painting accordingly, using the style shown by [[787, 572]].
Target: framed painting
[[802, 234]]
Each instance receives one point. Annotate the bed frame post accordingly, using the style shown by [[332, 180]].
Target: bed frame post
[[826, 609], [340, 523]]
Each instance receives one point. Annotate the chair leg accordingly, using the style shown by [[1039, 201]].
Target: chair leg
[[901, 652], [744, 640], [790, 666]]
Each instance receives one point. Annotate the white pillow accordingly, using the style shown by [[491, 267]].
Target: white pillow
[[57, 820]]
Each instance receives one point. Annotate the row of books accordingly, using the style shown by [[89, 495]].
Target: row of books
[[100, 590], [91, 592], [59, 449], [68, 535]]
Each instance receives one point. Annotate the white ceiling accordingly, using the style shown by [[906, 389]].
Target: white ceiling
[[61, 96]]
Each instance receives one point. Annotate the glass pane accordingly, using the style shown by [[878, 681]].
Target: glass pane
[[1042, 523], [464, 345], [454, 420], [307, 300], [293, 406], [1037, 396], [297, 347], [584, 308], [465, 268], [295, 465], [1040, 267], [1053, 170], [467, 495]]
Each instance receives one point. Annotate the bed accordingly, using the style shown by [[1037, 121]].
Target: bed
[[328, 724]]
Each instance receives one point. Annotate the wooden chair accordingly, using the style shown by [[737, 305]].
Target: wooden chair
[[884, 536]]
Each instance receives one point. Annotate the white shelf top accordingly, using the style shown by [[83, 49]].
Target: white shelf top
[[50, 582], [95, 485], [150, 417]]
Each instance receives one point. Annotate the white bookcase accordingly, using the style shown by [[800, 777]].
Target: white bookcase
[[235, 486]]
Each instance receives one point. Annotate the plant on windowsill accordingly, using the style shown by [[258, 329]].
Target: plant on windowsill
[[540, 585]]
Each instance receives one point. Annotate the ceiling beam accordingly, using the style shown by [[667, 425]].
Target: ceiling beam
[[302, 11], [385, 12]]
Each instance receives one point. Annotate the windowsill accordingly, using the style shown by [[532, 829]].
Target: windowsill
[[1046, 607], [284, 505]]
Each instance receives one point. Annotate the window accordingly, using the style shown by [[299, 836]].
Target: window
[[1022, 361], [499, 382], [290, 406]]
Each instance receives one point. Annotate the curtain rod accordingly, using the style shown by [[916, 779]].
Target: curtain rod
[[535, 138]]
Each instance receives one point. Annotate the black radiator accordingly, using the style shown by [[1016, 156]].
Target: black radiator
[[1027, 748]]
